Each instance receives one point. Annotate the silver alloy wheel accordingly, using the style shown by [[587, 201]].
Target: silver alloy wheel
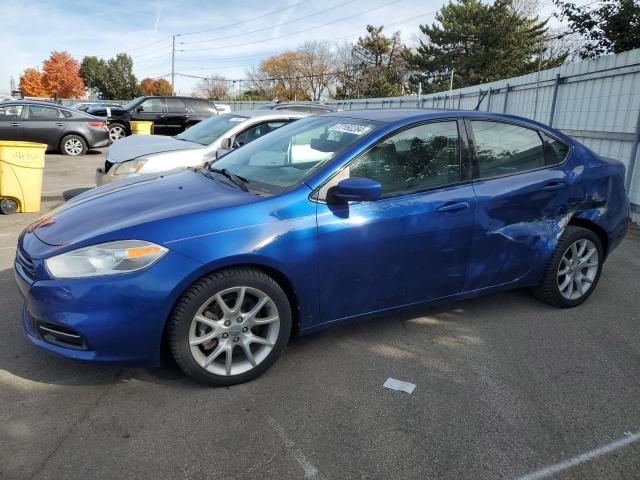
[[578, 269], [116, 132], [234, 331], [73, 146]]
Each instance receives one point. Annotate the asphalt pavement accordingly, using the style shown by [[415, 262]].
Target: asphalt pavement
[[506, 387]]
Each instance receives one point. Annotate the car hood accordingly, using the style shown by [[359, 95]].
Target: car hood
[[134, 202], [136, 146]]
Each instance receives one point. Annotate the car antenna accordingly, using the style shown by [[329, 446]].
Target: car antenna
[[480, 101]]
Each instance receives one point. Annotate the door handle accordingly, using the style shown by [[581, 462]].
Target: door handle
[[553, 186], [159, 116], [14, 124], [60, 124], [453, 207]]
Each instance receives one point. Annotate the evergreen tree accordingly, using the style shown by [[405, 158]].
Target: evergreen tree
[[612, 26], [480, 43]]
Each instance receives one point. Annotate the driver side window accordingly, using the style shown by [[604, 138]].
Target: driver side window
[[418, 158], [153, 105]]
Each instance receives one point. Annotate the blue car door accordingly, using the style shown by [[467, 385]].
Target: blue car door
[[411, 245], [522, 194]]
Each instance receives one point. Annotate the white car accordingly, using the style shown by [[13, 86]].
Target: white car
[[141, 154]]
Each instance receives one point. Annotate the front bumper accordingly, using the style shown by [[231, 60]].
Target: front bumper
[[115, 320]]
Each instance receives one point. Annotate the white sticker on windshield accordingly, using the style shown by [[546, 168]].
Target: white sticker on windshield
[[352, 128], [237, 119]]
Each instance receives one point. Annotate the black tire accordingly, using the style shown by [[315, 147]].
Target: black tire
[[201, 292], [73, 145], [549, 290], [8, 206], [117, 130]]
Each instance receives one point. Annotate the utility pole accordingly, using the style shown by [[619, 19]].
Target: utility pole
[[173, 67]]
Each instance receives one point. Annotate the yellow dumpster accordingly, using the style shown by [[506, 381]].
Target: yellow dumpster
[[21, 167], [141, 128]]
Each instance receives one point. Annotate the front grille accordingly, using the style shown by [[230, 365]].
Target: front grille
[[61, 336], [25, 262], [107, 166]]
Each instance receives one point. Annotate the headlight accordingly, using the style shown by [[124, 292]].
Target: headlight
[[110, 258], [130, 166]]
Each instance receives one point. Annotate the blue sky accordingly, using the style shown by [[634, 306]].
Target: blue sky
[[230, 40]]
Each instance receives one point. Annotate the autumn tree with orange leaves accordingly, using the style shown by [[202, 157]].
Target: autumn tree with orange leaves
[[149, 86], [61, 76], [31, 83]]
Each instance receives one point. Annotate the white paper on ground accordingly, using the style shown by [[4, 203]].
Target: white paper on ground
[[395, 384]]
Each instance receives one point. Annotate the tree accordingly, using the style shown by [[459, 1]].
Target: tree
[[61, 76], [279, 77], [121, 83], [316, 65], [611, 26], [376, 67], [149, 86], [94, 73], [216, 87], [480, 42], [31, 83]]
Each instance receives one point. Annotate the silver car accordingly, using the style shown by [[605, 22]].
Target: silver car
[[141, 154]]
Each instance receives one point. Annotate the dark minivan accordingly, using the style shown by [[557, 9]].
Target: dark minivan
[[170, 115]]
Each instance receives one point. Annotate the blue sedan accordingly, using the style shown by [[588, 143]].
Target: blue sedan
[[328, 219]]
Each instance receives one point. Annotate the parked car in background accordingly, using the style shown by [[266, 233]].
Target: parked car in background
[[84, 106], [68, 130], [223, 108], [170, 115], [299, 107], [141, 154], [377, 210]]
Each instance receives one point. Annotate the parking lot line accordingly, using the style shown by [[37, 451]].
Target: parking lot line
[[549, 470]]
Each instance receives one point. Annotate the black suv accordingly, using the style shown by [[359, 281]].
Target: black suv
[[170, 115]]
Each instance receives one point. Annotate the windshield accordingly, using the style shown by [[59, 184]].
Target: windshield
[[286, 157], [209, 130]]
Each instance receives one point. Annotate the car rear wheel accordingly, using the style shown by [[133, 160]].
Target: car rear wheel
[[73, 145], [229, 327], [117, 131], [8, 206], [574, 270]]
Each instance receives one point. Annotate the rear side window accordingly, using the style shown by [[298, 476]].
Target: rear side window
[[43, 113], [176, 105], [555, 150], [504, 149], [202, 107]]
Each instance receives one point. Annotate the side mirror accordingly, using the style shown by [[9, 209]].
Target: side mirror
[[226, 143], [139, 109], [356, 189], [221, 152]]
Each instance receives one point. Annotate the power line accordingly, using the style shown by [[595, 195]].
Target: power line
[[222, 27], [270, 27], [299, 31]]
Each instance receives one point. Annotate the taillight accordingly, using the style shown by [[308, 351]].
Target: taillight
[[97, 124]]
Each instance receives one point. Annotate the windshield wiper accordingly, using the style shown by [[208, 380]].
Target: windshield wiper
[[236, 179]]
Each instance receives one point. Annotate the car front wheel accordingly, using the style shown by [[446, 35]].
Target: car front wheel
[[574, 270], [230, 326]]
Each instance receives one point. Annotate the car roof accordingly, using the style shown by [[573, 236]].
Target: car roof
[[392, 115], [43, 103], [269, 114]]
